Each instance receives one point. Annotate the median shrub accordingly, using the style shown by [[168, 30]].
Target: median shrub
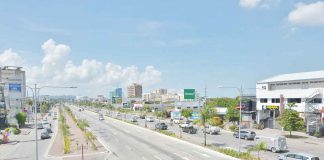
[[82, 124], [67, 145], [236, 154], [233, 128], [168, 133], [16, 131]]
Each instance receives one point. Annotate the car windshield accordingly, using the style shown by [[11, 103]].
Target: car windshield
[[161, 79]]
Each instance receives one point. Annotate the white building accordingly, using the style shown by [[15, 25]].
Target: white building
[[14, 82], [304, 89]]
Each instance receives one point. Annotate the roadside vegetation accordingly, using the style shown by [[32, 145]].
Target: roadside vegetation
[[65, 131], [83, 125], [290, 120], [237, 154]]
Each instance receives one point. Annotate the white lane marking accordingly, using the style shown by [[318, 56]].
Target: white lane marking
[[157, 157], [184, 158], [203, 154]]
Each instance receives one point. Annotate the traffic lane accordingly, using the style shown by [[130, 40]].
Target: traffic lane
[[156, 140], [223, 139], [121, 141]]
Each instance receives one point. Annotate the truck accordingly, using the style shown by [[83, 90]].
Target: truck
[[274, 144]]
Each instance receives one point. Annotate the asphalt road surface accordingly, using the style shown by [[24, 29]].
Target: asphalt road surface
[[126, 141]]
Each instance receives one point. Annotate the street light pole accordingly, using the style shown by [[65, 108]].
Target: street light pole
[[36, 135], [240, 92]]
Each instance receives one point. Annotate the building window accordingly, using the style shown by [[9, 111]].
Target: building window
[[263, 100], [294, 100], [316, 100], [275, 100]]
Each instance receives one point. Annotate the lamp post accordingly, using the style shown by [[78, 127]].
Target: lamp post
[[36, 91], [240, 91]]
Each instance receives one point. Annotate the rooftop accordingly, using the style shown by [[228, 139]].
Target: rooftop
[[295, 76]]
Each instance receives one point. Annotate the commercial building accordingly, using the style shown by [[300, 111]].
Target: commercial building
[[14, 81], [304, 89], [134, 90], [2, 106], [119, 92]]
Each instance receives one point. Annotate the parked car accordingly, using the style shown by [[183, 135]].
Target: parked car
[[212, 130], [292, 156], [189, 129], [176, 121], [49, 130], [134, 119], [161, 126], [45, 122], [149, 119], [101, 117], [40, 126], [274, 144], [142, 116], [45, 134], [245, 134], [185, 124], [54, 117], [117, 114]]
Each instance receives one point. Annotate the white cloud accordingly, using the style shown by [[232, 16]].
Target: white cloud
[[56, 69], [10, 58], [249, 3], [258, 3], [311, 14]]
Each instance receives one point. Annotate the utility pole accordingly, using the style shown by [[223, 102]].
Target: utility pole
[[35, 104]]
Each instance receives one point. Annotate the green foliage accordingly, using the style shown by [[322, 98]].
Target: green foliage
[[90, 136], [82, 124], [16, 131], [187, 112], [291, 121], [233, 128], [291, 105], [236, 154], [21, 118], [160, 114], [216, 121], [232, 115], [206, 113], [67, 145], [258, 147], [45, 107], [223, 102], [146, 109], [168, 133]]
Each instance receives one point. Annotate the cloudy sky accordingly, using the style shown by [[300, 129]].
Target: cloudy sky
[[100, 45]]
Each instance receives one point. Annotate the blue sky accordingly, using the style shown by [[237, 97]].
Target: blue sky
[[192, 43]]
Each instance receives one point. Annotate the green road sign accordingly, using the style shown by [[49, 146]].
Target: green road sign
[[189, 93]]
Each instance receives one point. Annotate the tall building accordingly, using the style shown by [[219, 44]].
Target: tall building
[[119, 92], [134, 90], [14, 81], [161, 91]]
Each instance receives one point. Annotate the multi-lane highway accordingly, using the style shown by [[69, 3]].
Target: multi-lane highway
[[126, 141]]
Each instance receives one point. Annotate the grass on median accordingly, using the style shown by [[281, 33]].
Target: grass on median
[[236, 154]]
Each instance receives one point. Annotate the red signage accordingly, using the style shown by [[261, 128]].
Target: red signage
[[238, 106], [322, 109]]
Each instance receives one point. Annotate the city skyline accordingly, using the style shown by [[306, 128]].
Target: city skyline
[[177, 46]]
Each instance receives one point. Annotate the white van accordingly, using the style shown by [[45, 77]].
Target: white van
[[274, 144]]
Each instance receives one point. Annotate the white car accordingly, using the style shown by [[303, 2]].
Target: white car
[[185, 124], [212, 129], [176, 121], [149, 119], [291, 156]]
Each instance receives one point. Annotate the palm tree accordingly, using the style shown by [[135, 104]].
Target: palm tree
[[206, 113], [259, 147]]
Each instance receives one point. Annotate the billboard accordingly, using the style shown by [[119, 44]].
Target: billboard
[[189, 93], [14, 87]]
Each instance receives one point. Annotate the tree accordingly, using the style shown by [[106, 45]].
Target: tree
[[232, 115], [21, 118], [146, 108], [290, 120], [258, 147], [216, 121], [187, 112], [206, 113], [160, 114]]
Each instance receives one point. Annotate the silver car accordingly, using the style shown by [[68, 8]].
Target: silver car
[[293, 156], [245, 134]]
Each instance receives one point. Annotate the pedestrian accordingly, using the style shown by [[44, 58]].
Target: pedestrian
[[50, 125]]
